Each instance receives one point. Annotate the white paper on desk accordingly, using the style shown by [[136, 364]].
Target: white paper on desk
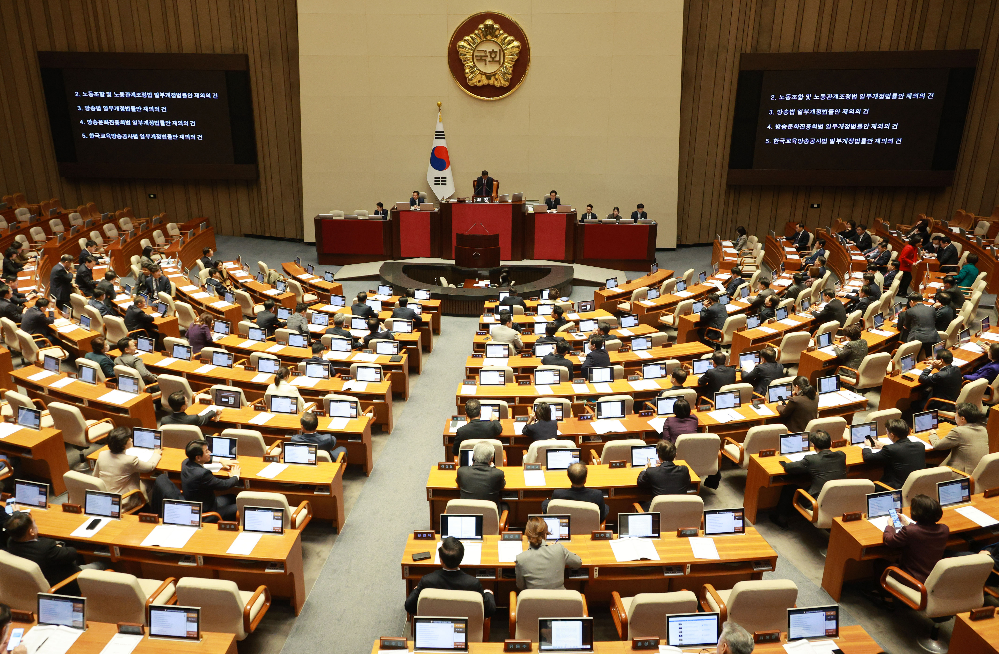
[[657, 424], [683, 293], [244, 543], [166, 361], [65, 329], [337, 356], [173, 536], [38, 376], [626, 332], [646, 303], [810, 646], [338, 424], [360, 386], [6, 429], [572, 316], [487, 320], [972, 347], [990, 336], [829, 399], [603, 388], [541, 318], [704, 548], [271, 291], [763, 410], [211, 408], [367, 358], [221, 304], [733, 308], [796, 456], [200, 295], [57, 639], [326, 308], [208, 367], [473, 553], [829, 349], [122, 644], [189, 288], [272, 470], [464, 389], [791, 322], [303, 381], [261, 418], [142, 453], [507, 550], [881, 522], [59, 383], [544, 390], [977, 516], [670, 649], [274, 349], [634, 549], [83, 532], [767, 330], [959, 362], [725, 415], [117, 397], [519, 428], [580, 388], [643, 354], [645, 385], [608, 426], [261, 378], [534, 477]]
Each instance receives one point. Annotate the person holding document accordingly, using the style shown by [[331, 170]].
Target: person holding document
[[666, 478], [542, 565]]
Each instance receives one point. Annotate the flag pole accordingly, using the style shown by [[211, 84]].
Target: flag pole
[[439, 110]]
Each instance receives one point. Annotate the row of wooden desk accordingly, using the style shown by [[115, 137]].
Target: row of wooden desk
[[98, 635]]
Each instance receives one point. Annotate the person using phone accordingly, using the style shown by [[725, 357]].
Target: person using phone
[[8, 635], [921, 542]]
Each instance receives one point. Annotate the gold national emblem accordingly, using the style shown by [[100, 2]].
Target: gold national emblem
[[488, 55]]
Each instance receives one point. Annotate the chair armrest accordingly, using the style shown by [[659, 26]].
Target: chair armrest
[[304, 506], [812, 502], [637, 507], [885, 486], [341, 457], [618, 615], [856, 374], [503, 521], [64, 582], [248, 625], [708, 590], [594, 459], [584, 598], [156, 593], [713, 329], [210, 514], [125, 497], [906, 580], [487, 625], [959, 473], [272, 448], [102, 437], [738, 445], [513, 614]]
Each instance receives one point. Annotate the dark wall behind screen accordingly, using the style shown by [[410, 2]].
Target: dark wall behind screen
[[717, 31], [266, 30]]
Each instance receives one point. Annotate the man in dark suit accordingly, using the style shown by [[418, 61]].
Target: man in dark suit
[[338, 329], [899, 458], [948, 256], [9, 309], [178, 405], [156, 283], [891, 273], [381, 211], [85, 276], [557, 317], [578, 491], [374, 333], [475, 428], [864, 239], [865, 300], [713, 315], [559, 357], [452, 551], [415, 199], [735, 281], [198, 484], [482, 186], [360, 308], [405, 312], [553, 201], [36, 321], [917, 322], [597, 357], [944, 312], [513, 299], [57, 561], [834, 309], [108, 286], [481, 480], [800, 239], [136, 318], [941, 380], [206, 258], [764, 372], [639, 213], [550, 334], [826, 465], [326, 441], [667, 478], [268, 319], [91, 250], [797, 286], [61, 280], [881, 257], [589, 215], [715, 378]]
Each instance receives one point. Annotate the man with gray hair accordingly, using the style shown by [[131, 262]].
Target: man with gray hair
[[734, 639], [481, 480]]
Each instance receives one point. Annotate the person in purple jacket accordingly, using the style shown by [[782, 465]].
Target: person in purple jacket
[[682, 422], [921, 541], [988, 370]]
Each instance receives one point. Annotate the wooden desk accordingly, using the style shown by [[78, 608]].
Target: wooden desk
[[618, 485], [854, 544], [42, 454], [415, 343], [137, 412], [203, 302], [650, 311], [318, 285], [577, 340], [259, 292], [189, 248], [632, 361], [742, 557], [608, 299], [521, 321], [817, 363], [120, 542], [750, 340], [975, 637], [99, 634], [776, 252], [6, 368]]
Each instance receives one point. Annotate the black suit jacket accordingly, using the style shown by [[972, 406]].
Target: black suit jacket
[[667, 478], [11, 268], [762, 375], [363, 310], [186, 419], [10, 310], [61, 284], [943, 317], [864, 242], [556, 360], [481, 482], [541, 430], [85, 280], [35, 321], [483, 188], [552, 204], [406, 313], [199, 485], [834, 310], [136, 318], [595, 359], [898, 460], [109, 293], [156, 286], [715, 378], [268, 322], [801, 240], [592, 495], [56, 562], [945, 383], [513, 300], [450, 580], [948, 256], [713, 316], [386, 336], [476, 428], [636, 216], [882, 260], [824, 466]]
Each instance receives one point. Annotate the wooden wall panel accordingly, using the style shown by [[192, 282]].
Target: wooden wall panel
[[265, 30], [717, 31]]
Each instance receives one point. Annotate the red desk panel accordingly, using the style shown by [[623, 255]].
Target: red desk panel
[[550, 236], [627, 247], [340, 241], [495, 218], [414, 234]]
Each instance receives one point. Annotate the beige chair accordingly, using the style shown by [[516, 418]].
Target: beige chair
[[756, 605], [529, 605], [297, 519], [638, 295], [880, 418], [110, 232], [830, 327], [31, 354], [172, 230], [227, 609], [619, 450], [683, 308], [87, 363], [456, 604], [170, 341], [499, 456], [923, 482], [536, 451], [852, 318], [837, 498], [585, 517], [249, 442], [677, 511], [986, 476], [185, 314], [954, 586], [250, 310], [57, 226], [21, 580], [37, 234], [972, 393], [114, 328], [16, 400], [494, 522], [835, 426], [172, 383], [178, 436], [627, 399], [906, 349], [761, 437], [300, 295], [118, 597], [644, 615], [611, 345], [689, 394], [9, 329], [567, 406], [792, 346], [702, 453], [688, 276], [78, 483], [733, 324], [745, 391]]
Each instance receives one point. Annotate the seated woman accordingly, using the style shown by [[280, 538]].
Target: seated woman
[[542, 565], [282, 386], [921, 542], [120, 471], [682, 422]]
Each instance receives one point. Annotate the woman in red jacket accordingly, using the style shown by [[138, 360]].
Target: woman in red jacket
[[907, 258]]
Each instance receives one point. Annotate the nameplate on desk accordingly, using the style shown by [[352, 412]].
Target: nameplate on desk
[[766, 453], [585, 416], [532, 466], [481, 333], [21, 616], [602, 534], [72, 508], [839, 443], [687, 533], [624, 348], [992, 492], [616, 464], [852, 516], [645, 643], [271, 458], [131, 628], [477, 356], [468, 382], [673, 570], [446, 465], [985, 613], [645, 414], [150, 518], [766, 637], [633, 377], [526, 355], [511, 535], [511, 645], [580, 380], [391, 643], [521, 419], [227, 525], [424, 534]]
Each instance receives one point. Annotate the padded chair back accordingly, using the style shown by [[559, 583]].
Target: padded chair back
[[37, 234], [220, 601], [762, 605], [246, 303], [585, 517], [270, 500], [687, 276], [87, 363], [543, 603], [762, 437], [78, 483], [96, 319], [172, 383], [689, 394], [9, 328], [485, 508], [841, 496], [173, 230], [871, 373], [470, 443], [113, 596], [185, 314], [924, 482], [562, 370], [973, 393], [69, 420], [620, 450], [647, 611], [20, 582], [612, 344], [955, 585], [678, 512], [884, 416], [700, 452], [828, 327], [455, 604], [249, 442], [179, 436], [77, 302], [110, 231], [835, 426], [732, 325], [536, 451], [792, 346], [114, 328], [986, 476], [567, 406]]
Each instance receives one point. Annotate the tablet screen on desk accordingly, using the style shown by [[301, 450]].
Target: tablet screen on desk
[[267, 365], [539, 328], [566, 634], [953, 492], [50, 363], [723, 522], [727, 399], [828, 384], [342, 409], [558, 525], [298, 340], [220, 327], [879, 503], [283, 404], [146, 438], [317, 370], [104, 505], [925, 421], [283, 313], [497, 351], [600, 375], [815, 622], [369, 373], [654, 370], [642, 454], [359, 322], [557, 459], [825, 339], [263, 519], [421, 294], [182, 352], [546, 377], [62, 610], [610, 409], [338, 344], [543, 309], [338, 300], [31, 493], [584, 306], [878, 320], [693, 629], [629, 320], [753, 322], [793, 443], [321, 319], [779, 392], [227, 398], [462, 527], [639, 344], [375, 305], [222, 359], [182, 513], [588, 325], [543, 349], [653, 293], [665, 405], [128, 384], [465, 457], [300, 453], [907, 363], [492, 377], [701, 366], [256, 334], [639, 525], [861, 433], [30, 418], [223, 446], [87, 374], [175, 622], [440, 634]]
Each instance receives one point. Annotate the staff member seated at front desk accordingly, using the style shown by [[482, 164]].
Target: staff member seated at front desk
[[826, 465], [198, 484], [667, 478], [899, 458]]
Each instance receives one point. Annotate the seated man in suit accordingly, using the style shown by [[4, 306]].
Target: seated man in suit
[[325, 441], [550, 334], [948, 255], [899, 458], [206, 258], [552, 202], [505, 332], [317, 353], [589, 215], [338, 328], [482, 186], [864, 239], [667, 478], [735, 281], [415, 199], [800, 239], [481, 480], [891, 273], [297, 322], [380, 211], [267, 319], [405, 312], [57, 561], [156, 283], [713, 315], [9, 309], [513, 299], [823, 466], [879, 260], [475, 428], [178, 405], [360, 308], [819, 250], [578, 490], [819, 270], [97, 301], [968, 442], [677, 378], [136, 318], [375, 333], [639, 213], [36, 321], [92, 249], [559, 357], [834, 309], [864, 300], [941, 380], [198, 484], [452, 551], [597, 357], [557, 317], [797, 286], [715, 378], [764, 372]]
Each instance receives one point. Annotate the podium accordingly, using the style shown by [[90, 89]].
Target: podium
[[477, 250]]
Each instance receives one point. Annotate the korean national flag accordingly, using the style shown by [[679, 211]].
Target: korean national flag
[[439, 169]]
